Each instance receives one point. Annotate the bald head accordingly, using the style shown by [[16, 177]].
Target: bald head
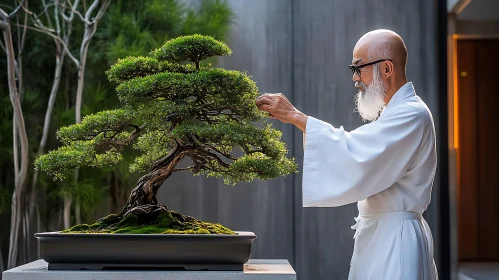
[[381, 57], [383, 44]]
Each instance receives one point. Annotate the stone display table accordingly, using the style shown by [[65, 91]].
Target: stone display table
[[255, 269]]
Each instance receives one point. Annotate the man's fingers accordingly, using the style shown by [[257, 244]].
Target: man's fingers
[[267, 109], [263, 100], [264, 107], [267, 104], [273, 96], [263, 95], [271, 102]]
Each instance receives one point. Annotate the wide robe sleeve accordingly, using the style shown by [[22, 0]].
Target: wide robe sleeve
[[341, 167]]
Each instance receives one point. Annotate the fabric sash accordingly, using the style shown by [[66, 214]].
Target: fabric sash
[[385, 215]]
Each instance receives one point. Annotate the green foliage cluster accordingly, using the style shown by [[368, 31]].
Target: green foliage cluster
[[104, 121], [132, 67], [167, 222], [193, 48], [208, 111]]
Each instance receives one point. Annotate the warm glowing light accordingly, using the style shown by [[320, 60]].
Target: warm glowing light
[[455, 77]]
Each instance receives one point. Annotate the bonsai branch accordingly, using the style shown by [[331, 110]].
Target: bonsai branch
[[218, 112], [213, 113], [213, 156], [248, 151], [130, 138], [138, 128], [166, 159], [210, 147], [117, 130], [222, 153], [115, 142], [190, 168], [202, 158], [215, 170]]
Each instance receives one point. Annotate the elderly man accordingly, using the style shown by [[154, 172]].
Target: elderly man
[[387, 165]]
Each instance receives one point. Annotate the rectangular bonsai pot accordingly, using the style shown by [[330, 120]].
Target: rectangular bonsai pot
[[174, 251]]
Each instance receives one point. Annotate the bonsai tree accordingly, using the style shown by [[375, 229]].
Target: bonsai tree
[[173, 109]]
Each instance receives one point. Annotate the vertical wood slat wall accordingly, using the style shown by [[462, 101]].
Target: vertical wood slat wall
[[302, 48]]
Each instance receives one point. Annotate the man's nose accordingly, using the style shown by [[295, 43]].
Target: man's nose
[[355, 77]]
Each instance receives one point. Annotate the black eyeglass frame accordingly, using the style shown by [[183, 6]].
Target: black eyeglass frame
[[356, 68]]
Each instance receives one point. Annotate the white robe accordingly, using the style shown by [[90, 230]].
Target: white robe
[[387, 167]]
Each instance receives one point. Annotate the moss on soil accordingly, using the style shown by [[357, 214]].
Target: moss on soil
[[168, 222]]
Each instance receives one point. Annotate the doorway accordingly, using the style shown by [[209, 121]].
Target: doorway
[[477, 153]]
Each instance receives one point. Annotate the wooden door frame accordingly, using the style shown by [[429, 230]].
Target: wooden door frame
[[453, 131]]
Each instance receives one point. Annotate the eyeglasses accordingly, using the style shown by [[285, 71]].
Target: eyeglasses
[[356, 68]]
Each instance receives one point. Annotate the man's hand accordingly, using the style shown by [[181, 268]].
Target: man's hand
[[279, 107]]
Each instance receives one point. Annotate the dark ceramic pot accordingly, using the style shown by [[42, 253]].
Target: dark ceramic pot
[[145, 251]]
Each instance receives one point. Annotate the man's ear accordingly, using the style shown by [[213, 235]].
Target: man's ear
[[387, 68]]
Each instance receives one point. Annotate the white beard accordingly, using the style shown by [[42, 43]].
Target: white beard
[[371, 101]]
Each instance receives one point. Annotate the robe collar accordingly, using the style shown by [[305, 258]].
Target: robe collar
[[406, 91]]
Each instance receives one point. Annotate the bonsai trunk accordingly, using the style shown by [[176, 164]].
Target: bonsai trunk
[[142, 199]]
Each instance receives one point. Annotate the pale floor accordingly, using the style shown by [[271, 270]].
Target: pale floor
[[479, 271]]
